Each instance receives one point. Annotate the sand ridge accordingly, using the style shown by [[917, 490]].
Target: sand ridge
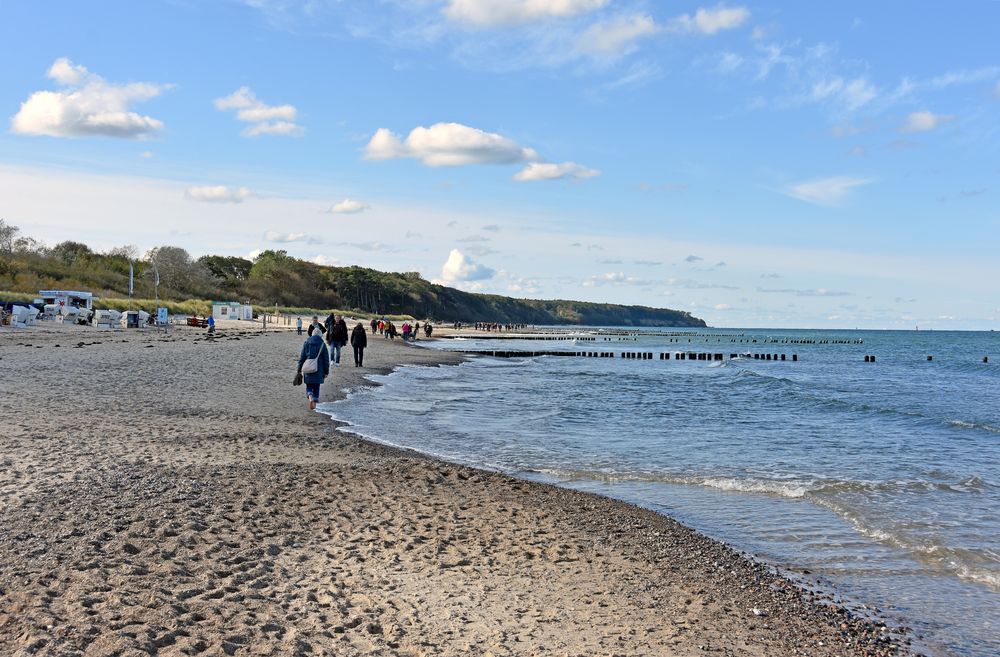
[[168, 494]]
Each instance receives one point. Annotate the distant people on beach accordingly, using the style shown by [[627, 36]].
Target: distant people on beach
[[359, 340], [374, 325], [406, 331], [314, 364], [298, 325], [493, 327], [210, 323], [428, 329]]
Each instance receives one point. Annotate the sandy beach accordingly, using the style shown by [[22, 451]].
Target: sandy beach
[[170, 494]]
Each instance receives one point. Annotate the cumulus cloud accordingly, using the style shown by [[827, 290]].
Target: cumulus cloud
[[218, 194], [448, 145], [723, 306], [825, 191], [281, 238], [710, 21], [551, 171], [500, 13], [616, 36], [693, 258], [325, 261], [349, 206], [264, 119], [459, 268], [89, 106], [925, 121]]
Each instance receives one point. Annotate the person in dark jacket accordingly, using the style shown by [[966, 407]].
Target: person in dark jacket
[[314, 348], [337, 338], [359, 340]]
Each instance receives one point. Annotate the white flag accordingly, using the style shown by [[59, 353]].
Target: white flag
[[130, 277], [156, 274]]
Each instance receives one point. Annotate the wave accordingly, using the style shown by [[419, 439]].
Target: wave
[[962, 424], [976, 565], [794, 388]]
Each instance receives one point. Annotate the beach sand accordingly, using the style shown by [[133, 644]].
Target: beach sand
[[167, 494]]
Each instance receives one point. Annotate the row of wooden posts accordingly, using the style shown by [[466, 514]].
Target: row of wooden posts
[[650, 355], [631, 355]]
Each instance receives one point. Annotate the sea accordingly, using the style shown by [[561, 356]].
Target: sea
[[878, 482]]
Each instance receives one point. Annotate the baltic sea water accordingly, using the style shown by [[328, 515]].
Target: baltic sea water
[[880, 480]]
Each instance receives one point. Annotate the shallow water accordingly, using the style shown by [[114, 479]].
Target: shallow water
[[883, 478]]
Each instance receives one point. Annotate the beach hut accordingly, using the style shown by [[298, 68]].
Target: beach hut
[[66, 298], [246, 312], [226, 310]]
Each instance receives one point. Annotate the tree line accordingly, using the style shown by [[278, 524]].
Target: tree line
[[274, 277]]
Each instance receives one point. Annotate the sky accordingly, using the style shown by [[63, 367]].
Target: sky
[[774, 164]]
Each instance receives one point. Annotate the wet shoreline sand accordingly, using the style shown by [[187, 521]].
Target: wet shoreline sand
[[172, 495]]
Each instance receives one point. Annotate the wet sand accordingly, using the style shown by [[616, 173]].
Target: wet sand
[[167, 494]]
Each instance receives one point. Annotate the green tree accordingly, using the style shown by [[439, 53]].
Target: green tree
[[8, 234]]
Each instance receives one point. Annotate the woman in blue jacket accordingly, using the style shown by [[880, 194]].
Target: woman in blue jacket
[[314, 350]]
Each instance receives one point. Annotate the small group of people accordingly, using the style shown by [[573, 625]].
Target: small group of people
[[322, 349], [497, 326]]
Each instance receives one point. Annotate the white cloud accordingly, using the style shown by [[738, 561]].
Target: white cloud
[[723, 306], [88, 107], [448, 145], [825, 191], [459, 268], [616, 36], [710, 21], [325, 261], [496, 13], [146, 154], [924, 121], [348, 206], [852, 94], [550, 171], [282, 238], [729, 62], [615, 278], [265, 119], [218, 194], [279, 128]]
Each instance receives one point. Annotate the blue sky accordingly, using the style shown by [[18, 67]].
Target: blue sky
[[758, 164]]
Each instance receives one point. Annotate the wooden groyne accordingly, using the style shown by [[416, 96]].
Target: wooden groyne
[[632, 355]]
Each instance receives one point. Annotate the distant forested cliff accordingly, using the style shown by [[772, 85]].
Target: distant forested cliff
[[274, 277]]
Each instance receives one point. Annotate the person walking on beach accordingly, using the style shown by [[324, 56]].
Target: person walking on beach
[[359, 340], [337, 337], [298, 325], [374, 325], [315, 325], [314, 364], [210, 323]]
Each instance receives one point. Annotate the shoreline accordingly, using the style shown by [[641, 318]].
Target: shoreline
[[811, 588], [103, 525]]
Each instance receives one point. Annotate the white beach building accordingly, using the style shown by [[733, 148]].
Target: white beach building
[[231, 310]]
